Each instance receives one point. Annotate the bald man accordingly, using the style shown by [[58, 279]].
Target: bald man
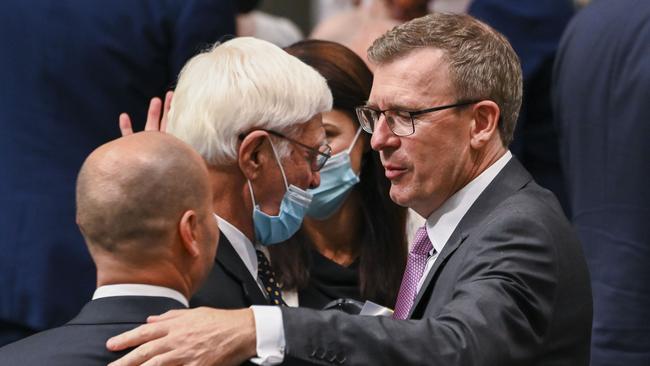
[[144, 209]]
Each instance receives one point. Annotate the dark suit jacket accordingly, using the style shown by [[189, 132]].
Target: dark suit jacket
[[602, 95], [510, 287], [82, 341], [230, 284], [67, 69]]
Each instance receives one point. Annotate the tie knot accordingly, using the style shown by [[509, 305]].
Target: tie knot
[[421, 243]]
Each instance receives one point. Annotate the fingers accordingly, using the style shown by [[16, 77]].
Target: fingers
[[152, 353], [154, 122], [136, 337], [169, 358], [125, 124], [167, 106], [166, 316], [153, 115]]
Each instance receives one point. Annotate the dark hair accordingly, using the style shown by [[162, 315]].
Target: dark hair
[[382, 253]]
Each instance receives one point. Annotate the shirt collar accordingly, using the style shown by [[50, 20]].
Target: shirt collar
[[132, 289], [443, 221], [242, 245]]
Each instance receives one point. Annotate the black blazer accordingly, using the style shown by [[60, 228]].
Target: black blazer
[[82, 341], [229, 285], [510, 287]]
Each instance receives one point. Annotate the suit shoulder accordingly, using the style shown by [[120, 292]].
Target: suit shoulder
[[530, 217], [532, 204], [65, 345]]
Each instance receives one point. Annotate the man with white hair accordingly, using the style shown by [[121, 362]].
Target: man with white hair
[[253, 112]]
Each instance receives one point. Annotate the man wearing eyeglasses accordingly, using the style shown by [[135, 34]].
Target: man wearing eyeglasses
[[495, 277], [263, 147]]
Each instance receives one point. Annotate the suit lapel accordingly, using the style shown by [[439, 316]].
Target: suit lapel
[[124, 309], [228, 258], [510, 179]]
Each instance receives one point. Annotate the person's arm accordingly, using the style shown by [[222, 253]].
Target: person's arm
[[500, 310], [202, 336]]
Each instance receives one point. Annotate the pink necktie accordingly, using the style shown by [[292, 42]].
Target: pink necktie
[[415, 265]]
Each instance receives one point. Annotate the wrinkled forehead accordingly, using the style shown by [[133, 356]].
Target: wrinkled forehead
[[419, 75]]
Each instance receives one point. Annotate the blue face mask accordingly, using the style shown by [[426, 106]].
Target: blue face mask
[[271, 230], [336, 180]]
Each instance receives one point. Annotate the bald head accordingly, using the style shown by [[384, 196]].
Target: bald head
[[132, 192]]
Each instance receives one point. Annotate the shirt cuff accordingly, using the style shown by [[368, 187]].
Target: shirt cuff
[[269, 329]]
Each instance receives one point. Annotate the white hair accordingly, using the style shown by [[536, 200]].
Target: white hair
[[242, 85]]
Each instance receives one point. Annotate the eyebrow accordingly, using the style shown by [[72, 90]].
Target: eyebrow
[[330, 124], [393, 106]]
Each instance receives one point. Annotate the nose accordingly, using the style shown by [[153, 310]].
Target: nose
[[315, 180], [382, 136]]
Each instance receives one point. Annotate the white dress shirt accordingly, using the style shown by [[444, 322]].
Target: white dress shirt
[[440, 225], [133, 289], [244, 248], [269, 350], [246, 251]]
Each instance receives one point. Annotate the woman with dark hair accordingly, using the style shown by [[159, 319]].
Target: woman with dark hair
[[352, 243]]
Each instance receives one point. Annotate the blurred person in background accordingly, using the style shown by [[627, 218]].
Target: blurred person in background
[[601, 98], [581, 3], [255, 23], [63, 61], [534, 29], [352, 243], [357, 27]]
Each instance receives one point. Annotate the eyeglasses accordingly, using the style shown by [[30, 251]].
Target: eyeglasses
[[317, 157], [402, 123]]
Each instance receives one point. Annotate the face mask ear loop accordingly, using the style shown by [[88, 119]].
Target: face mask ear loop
[[250, 188], [354, 141], [277, 159]]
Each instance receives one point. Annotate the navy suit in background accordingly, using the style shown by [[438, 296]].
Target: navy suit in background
[[534, 28], [601, 96], [67, 69], [82, 341]]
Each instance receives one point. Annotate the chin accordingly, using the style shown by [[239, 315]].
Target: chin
[[399, 196]]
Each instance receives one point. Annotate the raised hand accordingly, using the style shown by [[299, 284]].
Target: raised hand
[[154, 120]]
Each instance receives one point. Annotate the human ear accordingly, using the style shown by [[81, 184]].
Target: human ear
[[249, 158], [188, 228], [485, 123]]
